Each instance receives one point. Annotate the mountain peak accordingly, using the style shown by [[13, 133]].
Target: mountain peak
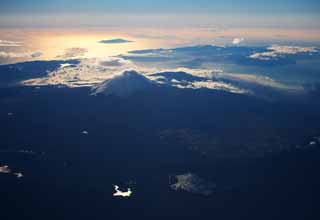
[[123, 85]]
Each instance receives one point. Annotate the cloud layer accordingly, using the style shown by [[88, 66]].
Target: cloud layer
[[277, 51], [7, 43], [15, 55]]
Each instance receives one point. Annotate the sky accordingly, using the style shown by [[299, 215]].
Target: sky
[[163, 6], [298, 13]]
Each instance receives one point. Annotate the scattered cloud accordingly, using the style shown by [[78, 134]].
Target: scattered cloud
[[5, 169], [75, 52], [279, 51], [120, 193], [195, 80], [115, 41], [15, 55], [7, 43], [237, 41], [85, 132], [18, 175]]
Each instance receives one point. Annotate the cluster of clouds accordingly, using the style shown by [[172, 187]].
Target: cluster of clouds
[[209, 84], [88, 72], [15, 55], [279, 51], [6, 170], [4, 54], [93, 72]]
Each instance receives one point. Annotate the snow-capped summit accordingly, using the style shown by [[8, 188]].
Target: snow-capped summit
[[123, 84]]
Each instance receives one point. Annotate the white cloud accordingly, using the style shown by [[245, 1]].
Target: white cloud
[[211, 85], [5, 169], [85, 132], [237, 41], [119, 193], [18, 175], [7, 43], [279, 51], [14, 55], [88, 72], [64, 65]]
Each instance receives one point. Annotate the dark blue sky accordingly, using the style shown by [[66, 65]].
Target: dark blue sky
[[161, 6]]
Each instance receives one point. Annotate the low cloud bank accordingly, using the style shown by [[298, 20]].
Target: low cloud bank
[[7, 43], [15, 55], [276, 51]]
